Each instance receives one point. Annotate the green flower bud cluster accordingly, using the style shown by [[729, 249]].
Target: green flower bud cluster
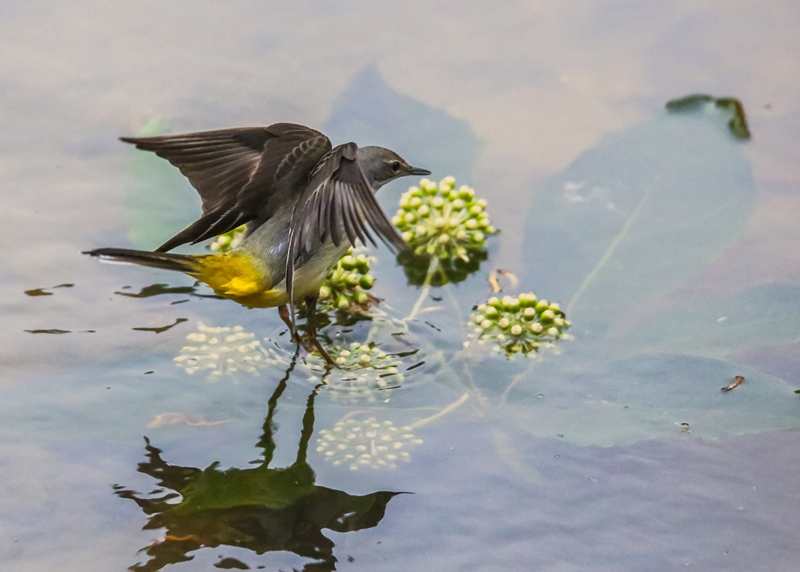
[[520, 324], [366, 444], [443, 221], [363, 368], [227, 241], [346, 285]]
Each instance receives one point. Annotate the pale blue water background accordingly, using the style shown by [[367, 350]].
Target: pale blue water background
[[541, 107]]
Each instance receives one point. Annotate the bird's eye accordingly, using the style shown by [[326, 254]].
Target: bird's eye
[[395, 165]]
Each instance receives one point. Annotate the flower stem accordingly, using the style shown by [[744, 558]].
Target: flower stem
[[452, 407], [426, 288]]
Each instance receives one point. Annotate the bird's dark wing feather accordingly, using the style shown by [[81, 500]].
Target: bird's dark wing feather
[[237, 171], [338, 203]]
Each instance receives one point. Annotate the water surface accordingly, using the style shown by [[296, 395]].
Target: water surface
[[672, 245]]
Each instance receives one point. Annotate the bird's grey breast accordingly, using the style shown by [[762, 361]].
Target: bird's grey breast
[[268, 241], [267, 237]]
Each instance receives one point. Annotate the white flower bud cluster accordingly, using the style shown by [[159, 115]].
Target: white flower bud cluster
[[224, 352], [227, 241], [443, 221], [346, 285], [520, 324], [368, 443], [363, 369]]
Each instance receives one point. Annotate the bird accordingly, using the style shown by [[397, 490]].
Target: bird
[[304, 202]]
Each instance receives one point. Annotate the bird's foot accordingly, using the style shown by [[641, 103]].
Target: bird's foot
[[311, 345]]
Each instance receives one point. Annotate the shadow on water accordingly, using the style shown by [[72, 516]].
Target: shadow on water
[[161, 289], [161, 329], [262, 509]]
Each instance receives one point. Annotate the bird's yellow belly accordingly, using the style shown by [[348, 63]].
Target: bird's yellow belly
[[239, 276]]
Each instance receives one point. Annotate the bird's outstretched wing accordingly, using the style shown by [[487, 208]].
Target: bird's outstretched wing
[[237, 171], [339, 204]]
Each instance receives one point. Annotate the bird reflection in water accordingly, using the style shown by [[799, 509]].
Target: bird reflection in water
[[262, 509]]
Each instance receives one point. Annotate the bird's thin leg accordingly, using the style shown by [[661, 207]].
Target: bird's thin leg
[[283, 312], [311, 329]]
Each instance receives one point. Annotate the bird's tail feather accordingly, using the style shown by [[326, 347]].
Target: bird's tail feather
[[180, 262]]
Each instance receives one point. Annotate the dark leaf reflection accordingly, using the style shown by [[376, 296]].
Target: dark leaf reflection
[[262, 509]]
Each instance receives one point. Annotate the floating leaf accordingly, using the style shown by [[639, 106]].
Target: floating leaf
[[636, 216], [160, 200], [625, 227], [718, 325], [646, 396]]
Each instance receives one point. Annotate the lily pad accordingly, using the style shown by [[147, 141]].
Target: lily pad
[[160, 199], [717, 326], [626, 225], [649, 397], [636, 216]]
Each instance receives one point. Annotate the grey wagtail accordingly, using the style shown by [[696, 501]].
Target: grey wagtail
[[305, 203]]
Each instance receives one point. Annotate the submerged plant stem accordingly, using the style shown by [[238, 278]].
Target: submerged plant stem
[[517, 378], [452, 407], [426, 288]]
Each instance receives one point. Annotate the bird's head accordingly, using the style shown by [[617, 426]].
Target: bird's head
[[382, 166]]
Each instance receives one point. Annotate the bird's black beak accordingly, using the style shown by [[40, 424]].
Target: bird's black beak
[[418, 171]]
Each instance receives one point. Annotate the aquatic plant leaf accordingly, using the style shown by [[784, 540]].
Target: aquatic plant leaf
[[716, 326], [636, 216], [649, 397], [619, 233], [160, 200]]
